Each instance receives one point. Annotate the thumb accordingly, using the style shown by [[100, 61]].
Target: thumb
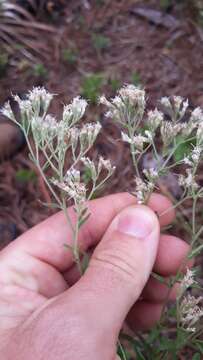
[[121, 265]]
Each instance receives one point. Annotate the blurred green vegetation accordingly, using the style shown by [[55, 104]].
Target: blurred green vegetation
[[100, 42], [25, 175], [91, 86], [70, 55]]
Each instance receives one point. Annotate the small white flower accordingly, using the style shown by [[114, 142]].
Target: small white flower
[[190, 312], [187, 281], [139, 141], [177, 102], [187, 161], [197, 115], [155, 117], [194, 158], [196, 153], [151, 174], [7, 111], [188, 181], [26, 108], [184, 109], [40, 99], [89, 133], [73, 112], [72, 186], [90, 165], [72, 175], [169, 131], [134, 95], [165, 102], [126, 138], [142, 190], [103, 100], [106, 164], [149, 135]]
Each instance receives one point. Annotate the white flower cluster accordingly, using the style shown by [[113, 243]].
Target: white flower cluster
[[155, 118], [176, 107], [194, 157], [72, 185], [188, 182], [72, 113], [197, 115], [151, 174], [186, 282], [137, 140], [54, 138], [88, 134], [7, 111], [127, 106], [133, 95], [96, 171], [45, 128], [142, 190], [40, 99], [84, 137], [190, 312]]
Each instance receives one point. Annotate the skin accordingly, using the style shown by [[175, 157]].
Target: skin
[[49, 312]]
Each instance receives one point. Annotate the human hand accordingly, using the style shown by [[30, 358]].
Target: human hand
[[48, 312]]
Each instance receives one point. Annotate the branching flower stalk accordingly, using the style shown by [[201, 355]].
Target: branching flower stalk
[[161, 133], [57, 140]]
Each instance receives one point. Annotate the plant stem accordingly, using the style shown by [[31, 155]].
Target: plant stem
[[132, 150]]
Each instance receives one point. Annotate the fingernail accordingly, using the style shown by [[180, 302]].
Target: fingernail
[[136, 221]]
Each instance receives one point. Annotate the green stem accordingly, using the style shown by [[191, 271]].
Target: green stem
[[36, 162], [132, 150]]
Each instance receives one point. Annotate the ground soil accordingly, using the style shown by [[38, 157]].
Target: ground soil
[[166, 60]]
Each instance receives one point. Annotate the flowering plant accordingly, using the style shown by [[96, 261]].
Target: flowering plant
[[173, 137], [55, 140]]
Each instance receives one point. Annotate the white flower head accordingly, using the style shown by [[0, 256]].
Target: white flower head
[[188, 181], [7, 111], [105, 164], [126, 138], [73, 112], [142, 190], [187, 281], [165, 101], [197, 115], [103, 100], [89, 164], [194, 157], [151, 174], [139, 141], [89, 133], [190, 312], [72, 175], [40, 99], [155, 117], [26, 108], [169, 131], [177, 102], [134, 95], [184, 108], [72, 186]]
